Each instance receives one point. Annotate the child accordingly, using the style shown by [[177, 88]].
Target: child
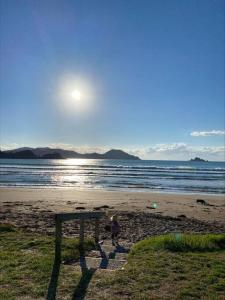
[[115, 229]]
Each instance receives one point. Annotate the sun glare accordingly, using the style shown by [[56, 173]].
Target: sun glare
[[75, 95]]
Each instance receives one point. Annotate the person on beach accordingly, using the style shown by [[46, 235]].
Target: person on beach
[[115, 229]]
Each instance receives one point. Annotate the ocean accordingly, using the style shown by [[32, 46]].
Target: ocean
[[132, 175]]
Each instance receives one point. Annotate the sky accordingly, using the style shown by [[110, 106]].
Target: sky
[[146, 76]]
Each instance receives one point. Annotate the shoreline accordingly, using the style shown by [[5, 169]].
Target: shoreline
[[119, 190]]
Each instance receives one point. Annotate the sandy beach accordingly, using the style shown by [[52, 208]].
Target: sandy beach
[[34, 210], [25, 200]]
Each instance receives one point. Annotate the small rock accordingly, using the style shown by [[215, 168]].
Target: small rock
[[151, 207], [104, 206], [181, 216], [97, 208], [201, 201]]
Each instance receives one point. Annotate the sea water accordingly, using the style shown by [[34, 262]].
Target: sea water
[[137, 175]]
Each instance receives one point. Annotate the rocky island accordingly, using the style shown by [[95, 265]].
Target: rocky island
[[198, 159]]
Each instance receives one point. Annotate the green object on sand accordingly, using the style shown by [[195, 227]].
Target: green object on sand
[[154, 205]]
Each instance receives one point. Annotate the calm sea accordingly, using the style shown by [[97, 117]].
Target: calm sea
[[143, 175]]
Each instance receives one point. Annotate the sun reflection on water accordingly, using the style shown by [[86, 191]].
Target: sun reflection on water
[[71, 177], [77, 162]]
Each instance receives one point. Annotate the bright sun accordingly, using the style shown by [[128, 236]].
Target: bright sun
[[76, 95]]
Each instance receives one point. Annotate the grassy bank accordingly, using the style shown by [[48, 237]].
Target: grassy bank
[[174, 266], [165, 267]]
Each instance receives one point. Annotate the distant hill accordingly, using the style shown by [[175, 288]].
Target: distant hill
[[198, 159], [49, 153], [114, 154], [23, 154], [41, 151]]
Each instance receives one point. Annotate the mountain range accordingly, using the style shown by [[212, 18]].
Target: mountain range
[[49, 153]]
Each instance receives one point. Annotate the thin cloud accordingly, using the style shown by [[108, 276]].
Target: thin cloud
[[208, 133], [11, 146], [180, 151]]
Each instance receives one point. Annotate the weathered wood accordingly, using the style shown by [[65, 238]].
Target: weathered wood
[[96, 230], [59, 218], [58, 238], [81, 215], [81, 232]]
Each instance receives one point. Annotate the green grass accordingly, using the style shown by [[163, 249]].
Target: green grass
[[26, 261], [169, 267], [182, 243], [163, 267]]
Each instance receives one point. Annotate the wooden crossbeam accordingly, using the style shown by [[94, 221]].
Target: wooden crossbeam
[[80, 215]]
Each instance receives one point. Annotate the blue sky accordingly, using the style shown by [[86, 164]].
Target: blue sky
[[150, 74]]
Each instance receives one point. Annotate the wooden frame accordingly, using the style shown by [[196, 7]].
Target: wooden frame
[[60, 218]]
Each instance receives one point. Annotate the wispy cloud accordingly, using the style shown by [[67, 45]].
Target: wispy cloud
[[208, 133], [180, 151], [9, 146]]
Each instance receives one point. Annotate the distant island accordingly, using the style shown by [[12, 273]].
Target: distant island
[[49, 153], [198, 159]]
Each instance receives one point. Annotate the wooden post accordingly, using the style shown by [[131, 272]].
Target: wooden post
[[58, 238], [96, 230], [60, 218], [81, 232]]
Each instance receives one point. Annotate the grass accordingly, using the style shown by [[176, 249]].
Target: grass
[[174, 266], [182, 243], [26, 261], [164, 267]]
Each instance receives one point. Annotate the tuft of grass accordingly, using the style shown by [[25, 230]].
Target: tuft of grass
[[182, 243]]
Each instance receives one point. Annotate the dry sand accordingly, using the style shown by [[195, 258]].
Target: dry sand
[[25, 200], [33, 210]]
